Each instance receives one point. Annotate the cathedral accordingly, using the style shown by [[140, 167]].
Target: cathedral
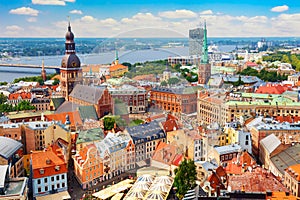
[[70, 70]]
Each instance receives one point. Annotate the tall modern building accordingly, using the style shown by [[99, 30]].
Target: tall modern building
[[195, 41], [204, 68], [70, 71]]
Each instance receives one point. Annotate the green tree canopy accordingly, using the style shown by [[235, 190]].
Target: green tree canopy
[[185, 177], [173, 81], [3, 98], [109, 123]]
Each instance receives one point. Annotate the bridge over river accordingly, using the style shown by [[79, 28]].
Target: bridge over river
[[56, 68]]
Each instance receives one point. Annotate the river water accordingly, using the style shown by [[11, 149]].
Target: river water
[[8, 74]]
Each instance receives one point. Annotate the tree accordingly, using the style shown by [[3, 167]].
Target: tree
[[173, 81], [55, 82], [3, 98], [185, 177], [163, 83], [109, 123]]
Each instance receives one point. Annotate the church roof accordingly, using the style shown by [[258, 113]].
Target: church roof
[[87, 93]]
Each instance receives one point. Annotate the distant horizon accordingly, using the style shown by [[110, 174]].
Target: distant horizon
[[217, 37]]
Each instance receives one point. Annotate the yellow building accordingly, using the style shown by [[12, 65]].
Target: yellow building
[[190, 143]]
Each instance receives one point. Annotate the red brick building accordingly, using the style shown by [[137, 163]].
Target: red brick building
[[177, 100]]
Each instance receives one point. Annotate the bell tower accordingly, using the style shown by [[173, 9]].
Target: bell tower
[[70, 70]]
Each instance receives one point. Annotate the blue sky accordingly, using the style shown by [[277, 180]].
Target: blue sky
[[145, 18]]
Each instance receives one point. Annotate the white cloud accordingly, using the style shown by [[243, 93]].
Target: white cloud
[[109, 22], [24, 11], [31, 19], [206, 12], [88, 19], [146, 24], [78, 12], [52, 2], [177, 14], [280, 8], [14, 28]]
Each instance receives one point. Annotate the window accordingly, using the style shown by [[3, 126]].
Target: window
[[57, 177], [45, 180], [39, 181], [39, 189], [46, 188], [57, 186], [63, 176], [52, 178], [63, 185]]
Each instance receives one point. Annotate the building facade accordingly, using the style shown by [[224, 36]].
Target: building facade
[[292, 179], [176, 100], [48, 171], [145, 138], [134, 97], [196, 41]]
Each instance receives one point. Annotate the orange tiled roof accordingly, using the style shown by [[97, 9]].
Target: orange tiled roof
[[23, 95], [94, 67], [47, 161], [280, 196], [236, 166], [294, 171], [117, 67], [74, 117], [56, 77]]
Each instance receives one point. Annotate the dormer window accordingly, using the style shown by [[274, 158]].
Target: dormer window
[[57, 168], [42, 171]]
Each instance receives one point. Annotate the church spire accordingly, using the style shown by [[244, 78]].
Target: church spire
[[43, 72], [116, 58], [204, 57]]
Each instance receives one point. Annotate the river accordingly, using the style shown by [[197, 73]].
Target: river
[[8, 74]]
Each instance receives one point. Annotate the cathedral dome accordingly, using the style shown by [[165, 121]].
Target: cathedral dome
[[70, 61], [69, 34]]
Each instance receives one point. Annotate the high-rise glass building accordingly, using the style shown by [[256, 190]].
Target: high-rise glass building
[[195, 41]]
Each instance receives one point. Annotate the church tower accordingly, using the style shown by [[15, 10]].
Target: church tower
[[70, 70], [43, 72], [204, 69]]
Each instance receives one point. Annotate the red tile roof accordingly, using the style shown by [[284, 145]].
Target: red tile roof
[[170, 125], [23, 95], [271, 89], [74, 117], [45, 163], [288, 118], [251, 64], [240, 164], [167, 154], [258, 180]]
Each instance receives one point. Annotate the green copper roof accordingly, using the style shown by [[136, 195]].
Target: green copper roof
[[90, 135], [204, 57]]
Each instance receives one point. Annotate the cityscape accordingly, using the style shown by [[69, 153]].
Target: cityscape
[[151, 100]]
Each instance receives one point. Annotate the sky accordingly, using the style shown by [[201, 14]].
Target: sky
[[149, 18]]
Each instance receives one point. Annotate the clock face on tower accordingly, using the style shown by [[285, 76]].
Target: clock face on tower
[[73, 64]]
